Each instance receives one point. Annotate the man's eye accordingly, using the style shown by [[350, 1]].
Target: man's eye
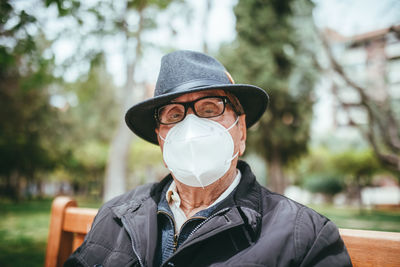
[[175, 115], [171, 113], [209, 110]]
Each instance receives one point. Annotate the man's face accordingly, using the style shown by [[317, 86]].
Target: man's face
[[238, 132]]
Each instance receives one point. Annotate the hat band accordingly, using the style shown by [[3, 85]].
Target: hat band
[[193, 84]]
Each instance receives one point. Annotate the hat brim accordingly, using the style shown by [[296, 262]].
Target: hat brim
[[140, 118]]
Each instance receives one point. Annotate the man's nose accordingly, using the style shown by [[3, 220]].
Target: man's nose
[[190, 111]]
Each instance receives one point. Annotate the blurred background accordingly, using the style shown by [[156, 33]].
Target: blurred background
[[70, 69]]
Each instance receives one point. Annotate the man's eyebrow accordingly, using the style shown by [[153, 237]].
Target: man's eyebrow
[[208, 95]]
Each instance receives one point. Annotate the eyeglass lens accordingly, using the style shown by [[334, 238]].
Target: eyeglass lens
[[205, 108]]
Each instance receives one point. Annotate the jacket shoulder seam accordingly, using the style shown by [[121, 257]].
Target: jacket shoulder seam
[[297, 224]]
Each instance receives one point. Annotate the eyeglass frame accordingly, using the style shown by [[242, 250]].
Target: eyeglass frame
[[186, 105]]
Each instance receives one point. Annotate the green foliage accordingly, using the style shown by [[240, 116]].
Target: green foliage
[[141, 4], [37, 138], [26, 117], [357, 163], [273, 51], [328, 172], [94, 115], [348, 163], [325, 183], [64, 7], [41, 140], [269, 52], [145, 163], [87, 129], [23, 233], [350, 217]]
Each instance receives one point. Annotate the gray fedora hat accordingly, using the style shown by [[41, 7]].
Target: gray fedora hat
[[185, 72]]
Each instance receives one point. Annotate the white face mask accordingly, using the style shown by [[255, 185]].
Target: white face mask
[[198, 151]]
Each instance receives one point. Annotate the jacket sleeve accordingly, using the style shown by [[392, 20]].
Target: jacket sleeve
[[318, 239], [73, 261]]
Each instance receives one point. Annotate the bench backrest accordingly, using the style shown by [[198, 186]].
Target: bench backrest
[[69, 225]]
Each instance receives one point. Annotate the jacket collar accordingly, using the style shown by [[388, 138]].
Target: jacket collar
[[248, 200], [248, 193], [140, 195]]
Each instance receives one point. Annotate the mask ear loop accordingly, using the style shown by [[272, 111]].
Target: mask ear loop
[[237, 153], [198, 179], [230, 127], [234, 156], [162, 138]]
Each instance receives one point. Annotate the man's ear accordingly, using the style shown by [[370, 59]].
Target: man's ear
[[243, 134], [157, 130], [157, 134]]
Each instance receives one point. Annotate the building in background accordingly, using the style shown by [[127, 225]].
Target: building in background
[[372, 61]]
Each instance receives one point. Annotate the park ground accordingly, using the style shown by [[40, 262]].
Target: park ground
[[24, 227]]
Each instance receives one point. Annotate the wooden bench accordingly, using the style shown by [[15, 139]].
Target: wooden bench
[[69, 225]]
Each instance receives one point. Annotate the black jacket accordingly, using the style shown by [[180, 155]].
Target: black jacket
[[259, 228]]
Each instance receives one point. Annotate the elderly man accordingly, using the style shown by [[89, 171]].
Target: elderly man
[[210, 211]]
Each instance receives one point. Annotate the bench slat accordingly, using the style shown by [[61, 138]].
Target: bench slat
[[78, 220], [372, 248]]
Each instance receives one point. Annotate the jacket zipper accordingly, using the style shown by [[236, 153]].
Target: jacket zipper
[[176, 236], [173, 225], [206, 220], [132, 241], [175, 241], [196, 228]]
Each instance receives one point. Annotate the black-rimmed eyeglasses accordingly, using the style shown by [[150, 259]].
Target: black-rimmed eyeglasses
[[205, 107]]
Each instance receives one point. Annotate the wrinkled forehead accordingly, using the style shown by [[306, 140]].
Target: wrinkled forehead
[[196, 95]]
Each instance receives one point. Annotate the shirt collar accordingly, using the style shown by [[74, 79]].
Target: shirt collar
[[173, 197]]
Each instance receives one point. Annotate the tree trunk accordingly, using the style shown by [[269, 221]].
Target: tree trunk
[[276, 178], [115, 183], [13, 186], [117, 163], [206, 19], [359, 199]]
